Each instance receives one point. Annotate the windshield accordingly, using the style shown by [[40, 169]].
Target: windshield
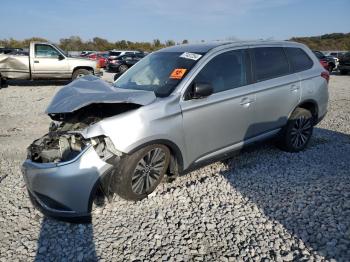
[[159, 72]]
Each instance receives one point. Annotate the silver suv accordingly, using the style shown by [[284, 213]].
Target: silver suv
[[175, 110]]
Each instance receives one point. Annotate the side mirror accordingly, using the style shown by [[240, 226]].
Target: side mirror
[[60, 57], [201, 90]]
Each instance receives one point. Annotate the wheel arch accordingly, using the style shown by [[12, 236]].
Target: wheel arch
[[176, 160], [83, 67], [174, 151], [310, 105]]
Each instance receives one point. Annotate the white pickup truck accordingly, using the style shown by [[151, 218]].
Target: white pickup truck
[[44, 61]]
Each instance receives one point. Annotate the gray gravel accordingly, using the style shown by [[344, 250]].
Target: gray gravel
[[262, 205]]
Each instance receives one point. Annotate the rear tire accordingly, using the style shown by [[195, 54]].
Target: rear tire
[[3, 83], [343, 72], [122, 69], [138, 174], [80, 73], [297, 133], [116, 76]]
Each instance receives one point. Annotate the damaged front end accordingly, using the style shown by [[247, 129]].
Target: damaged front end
[[64, 169], [56, 148], [64, 146]]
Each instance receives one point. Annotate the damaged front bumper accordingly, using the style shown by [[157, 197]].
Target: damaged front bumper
[[65, 189]]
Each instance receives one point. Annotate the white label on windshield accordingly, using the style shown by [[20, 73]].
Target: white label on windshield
[[191, 56]]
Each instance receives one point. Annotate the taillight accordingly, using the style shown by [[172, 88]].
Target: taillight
[[325, 75]]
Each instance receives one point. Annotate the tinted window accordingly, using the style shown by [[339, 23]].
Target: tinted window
[[270, 62], [299, 60], [114, 53], [225, 71], [45, 51]]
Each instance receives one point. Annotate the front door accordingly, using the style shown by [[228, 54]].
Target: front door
[[48, 62], [213, 124]]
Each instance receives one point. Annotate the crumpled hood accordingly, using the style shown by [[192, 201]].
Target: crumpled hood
[[92, 90]]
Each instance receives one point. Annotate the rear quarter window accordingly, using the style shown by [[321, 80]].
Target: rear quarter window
[[269, 62], [298, 59]]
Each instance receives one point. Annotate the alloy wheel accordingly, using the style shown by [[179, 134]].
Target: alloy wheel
[[148, 171], [301, 131]]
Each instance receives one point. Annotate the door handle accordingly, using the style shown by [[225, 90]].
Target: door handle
[[246, 101], [294, 87], [36, 61]]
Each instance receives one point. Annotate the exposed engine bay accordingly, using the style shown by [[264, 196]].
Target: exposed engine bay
[[56, 148], [64, 143]]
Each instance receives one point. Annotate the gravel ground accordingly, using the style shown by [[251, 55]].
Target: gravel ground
[[262, 205]]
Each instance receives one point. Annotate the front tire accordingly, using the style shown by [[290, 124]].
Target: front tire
[[298, 131], [80, 73], [140, 173]]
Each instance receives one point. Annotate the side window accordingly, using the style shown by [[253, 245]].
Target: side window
[[299, 60], [45, 51], [270, 62], [225, 71]]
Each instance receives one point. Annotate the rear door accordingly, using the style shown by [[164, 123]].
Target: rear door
[[48, 62], [277, 88], [213, 124]]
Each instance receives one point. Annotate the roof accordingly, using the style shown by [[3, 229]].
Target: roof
[[205, 47]]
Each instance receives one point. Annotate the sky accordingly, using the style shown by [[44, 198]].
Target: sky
[[194, 20]]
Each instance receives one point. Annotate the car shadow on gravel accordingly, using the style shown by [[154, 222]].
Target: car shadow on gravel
[[37, 82], [307, 192], [61, 241]]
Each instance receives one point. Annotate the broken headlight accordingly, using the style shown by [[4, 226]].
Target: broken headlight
[[105, 148]]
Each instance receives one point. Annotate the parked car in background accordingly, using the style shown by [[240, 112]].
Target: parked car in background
[[100, 57], [44, 61], [333, 63], [179, 108], [344, 64], [336, 54], [123, 62], [19, 52], [328, 63], [86, 53], [7, 50], [113, 54]]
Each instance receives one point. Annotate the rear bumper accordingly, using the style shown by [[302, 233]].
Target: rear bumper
[[64, 190]]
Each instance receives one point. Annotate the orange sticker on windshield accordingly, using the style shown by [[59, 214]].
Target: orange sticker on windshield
[[178, 73]]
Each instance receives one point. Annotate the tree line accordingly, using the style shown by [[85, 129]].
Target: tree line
[[334, 41], [75, 43]]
